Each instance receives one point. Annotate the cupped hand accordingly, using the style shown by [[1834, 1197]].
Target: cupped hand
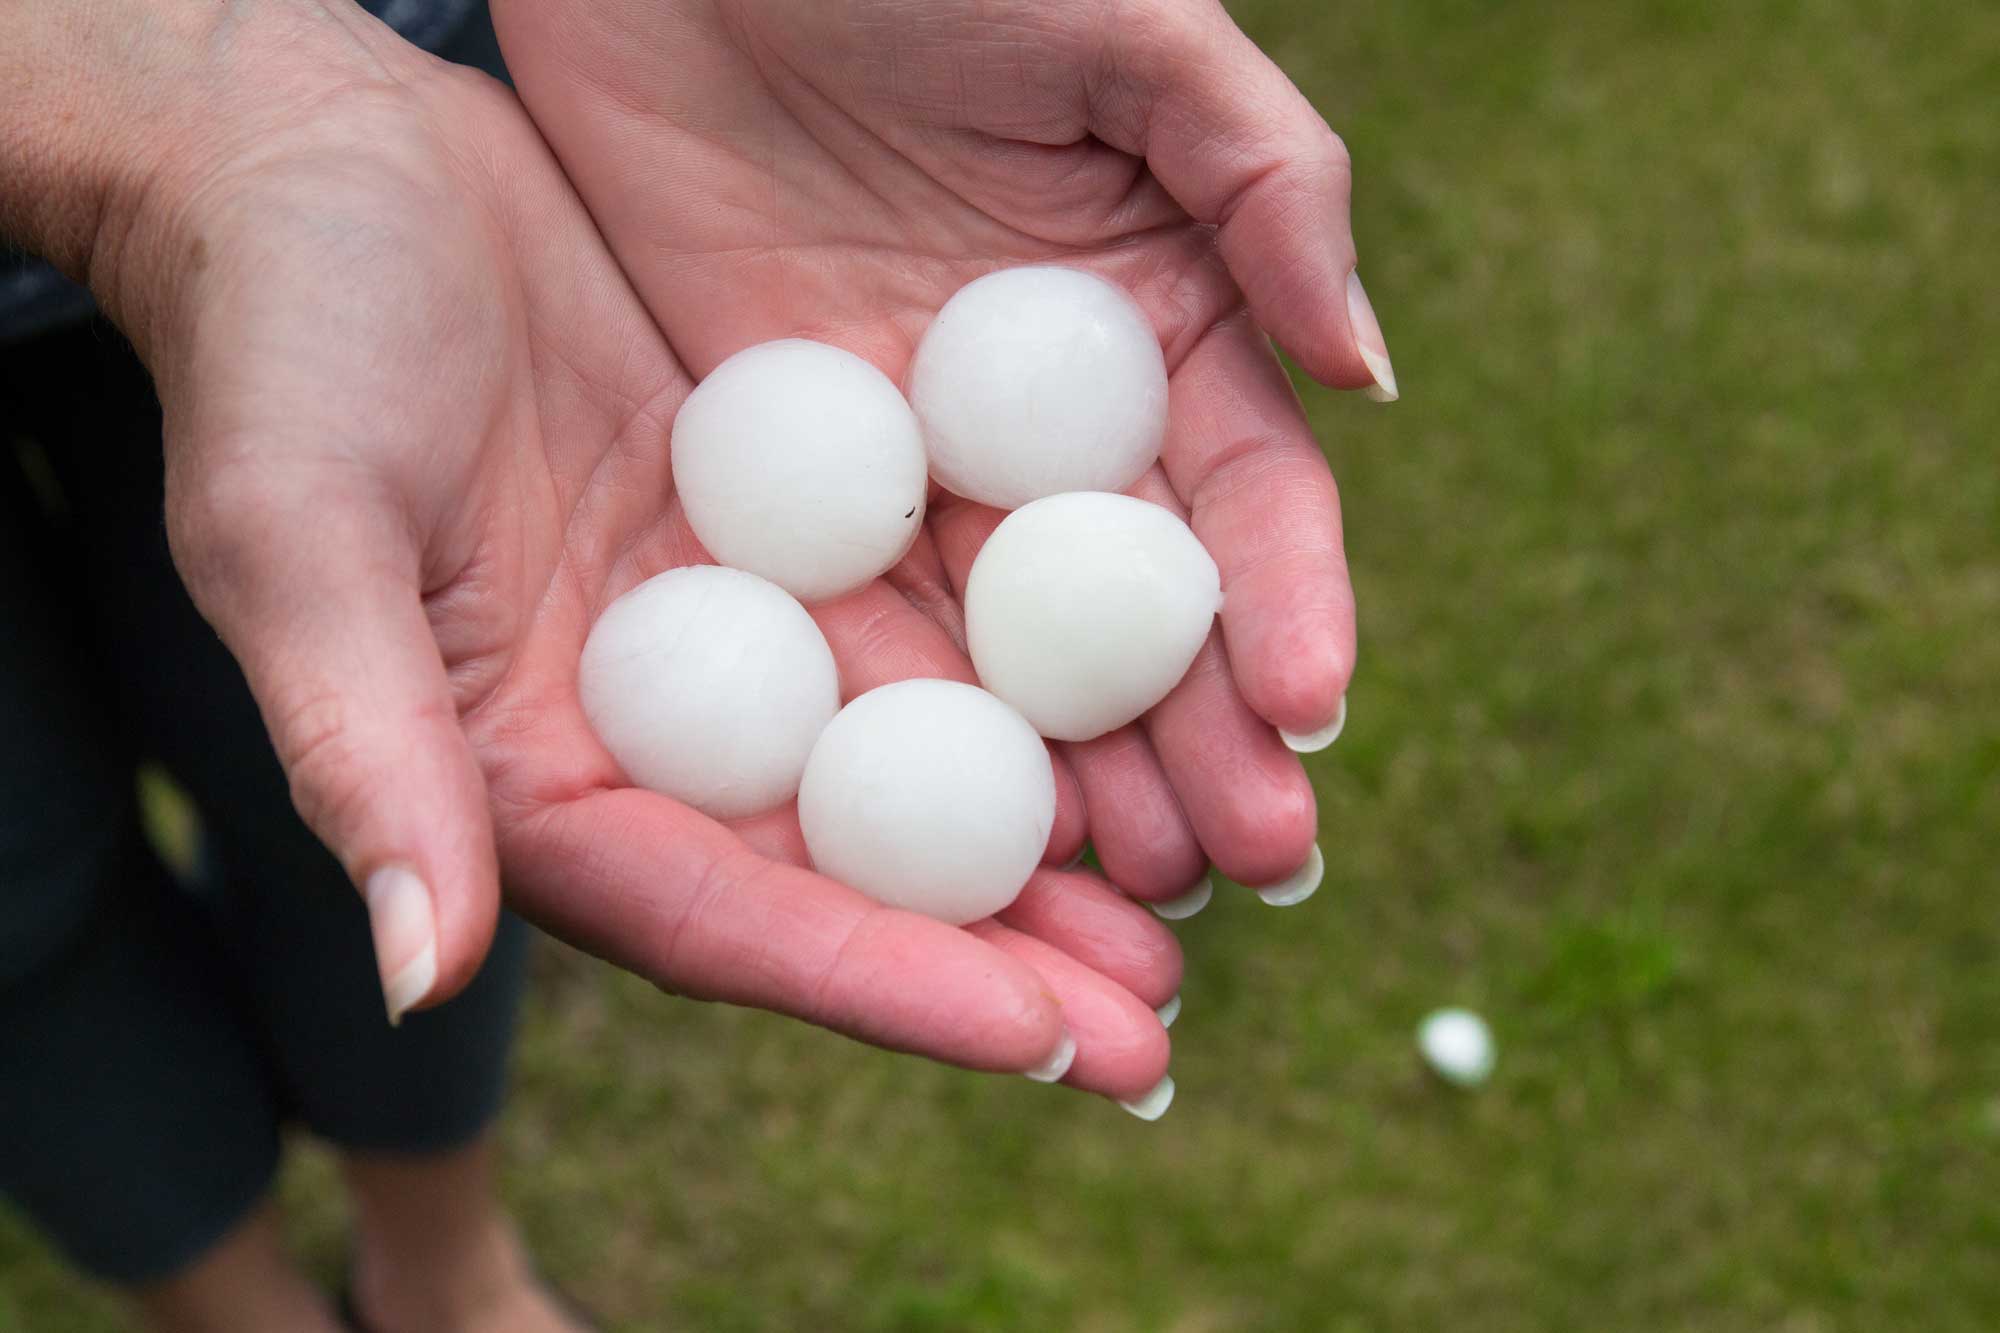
[[417, 427], [837, 168]]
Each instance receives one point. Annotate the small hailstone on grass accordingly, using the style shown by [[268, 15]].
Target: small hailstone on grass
[[801, 463], [1037, 380], [1084, 610], [1458, 1045], [929, 795], [709, 685]]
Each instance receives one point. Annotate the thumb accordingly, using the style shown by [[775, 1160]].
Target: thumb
[[312, 582], [1239, 147]]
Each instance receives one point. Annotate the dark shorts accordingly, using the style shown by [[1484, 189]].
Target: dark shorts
[[155, 1035]]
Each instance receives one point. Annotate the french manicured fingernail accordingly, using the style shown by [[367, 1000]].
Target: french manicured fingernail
[[1185, 906], [1053, 1068], [1169, 1011], [1298, 886], [1155, 1103], [1312, 742], [405, 930], [1368, 339]]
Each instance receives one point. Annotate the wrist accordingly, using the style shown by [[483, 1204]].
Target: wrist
[[120, 118], [87, 114]]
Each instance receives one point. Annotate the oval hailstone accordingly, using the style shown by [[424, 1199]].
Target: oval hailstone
[[1458, 1045], [1084, 610], [929, 795], [709, 685], [801, 463], [1038, 380]]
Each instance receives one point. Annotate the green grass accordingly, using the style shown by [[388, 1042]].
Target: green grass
[[1675, 751]]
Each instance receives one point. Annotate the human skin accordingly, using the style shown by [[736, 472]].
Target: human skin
[[837, 168], [417, 438]]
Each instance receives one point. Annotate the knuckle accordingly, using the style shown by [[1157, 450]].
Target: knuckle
[[689, 939], [322, 759], [1334, 156], [1154, 859], [1155, 963], [830, 997]]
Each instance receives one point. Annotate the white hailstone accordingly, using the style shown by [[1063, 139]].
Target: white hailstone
[[1084, 610], [1458, 1045], [709, 685], [1034, 381], [801, 463], [929, 795]]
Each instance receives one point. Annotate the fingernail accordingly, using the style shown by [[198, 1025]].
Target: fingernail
[[1155, 1103], [1312, 742], [1185, 906], [1298, 886], [1368, 339], [1053, 1068], [405, 930], [1169, 1011]]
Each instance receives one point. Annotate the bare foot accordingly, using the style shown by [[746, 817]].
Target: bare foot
[[434, 1251], [490, 1287]]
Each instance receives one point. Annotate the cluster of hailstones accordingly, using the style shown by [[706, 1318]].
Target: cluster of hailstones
[[804, 471]]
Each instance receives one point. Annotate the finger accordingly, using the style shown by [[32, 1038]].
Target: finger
[[346, 672], [1143, 838], [1121, 1047], [1127, 802], [879, 638], [775, 834], [960, 527], [1242, 149], [1262, 499], [1101, 928], [925, 583], [1072, 822], [1243, 790], [657, 888], [1245, 793]]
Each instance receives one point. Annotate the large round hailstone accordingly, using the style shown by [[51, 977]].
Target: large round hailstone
[[1084, 610], [931, 796], [709, 685], [802, 463], [1033, 381]]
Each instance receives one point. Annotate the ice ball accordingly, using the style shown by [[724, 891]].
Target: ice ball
[[710, 686], [1084, 610], [1038, 380], [929, 795], [801, 463], [1458, 1045]]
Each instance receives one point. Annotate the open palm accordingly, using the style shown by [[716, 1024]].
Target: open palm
[[837, 169], [403, 511]]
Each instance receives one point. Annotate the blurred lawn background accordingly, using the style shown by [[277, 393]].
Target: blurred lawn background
[[1675, 750]]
